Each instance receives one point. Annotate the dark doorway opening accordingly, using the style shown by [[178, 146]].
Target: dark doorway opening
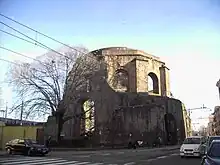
[[171, 128]]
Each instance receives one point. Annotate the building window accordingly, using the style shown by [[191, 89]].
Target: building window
[[121, 80], [153, 83]]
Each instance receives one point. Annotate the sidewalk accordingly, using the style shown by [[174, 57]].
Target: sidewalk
[[165, 148]]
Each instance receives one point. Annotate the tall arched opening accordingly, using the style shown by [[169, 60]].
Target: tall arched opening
[[171, 128], [87, 122], [153, 83], [121, 80]]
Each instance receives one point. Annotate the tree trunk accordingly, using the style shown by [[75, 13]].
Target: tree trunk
[[60, 122], [60, 126], [59, 116]]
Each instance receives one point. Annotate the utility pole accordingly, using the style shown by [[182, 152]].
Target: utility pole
[[6, 110], [67, 74], [22, 109]]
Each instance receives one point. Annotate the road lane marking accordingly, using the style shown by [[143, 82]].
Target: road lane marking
[[105, 154], [84, 156], [5, 160], [62, 163], [35, 161], [130, 163], [174, 154], [162, 157], [42, 161], [150, 160], [81, 163]]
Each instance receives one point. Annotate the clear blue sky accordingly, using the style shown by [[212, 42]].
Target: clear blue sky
[[186, 34]]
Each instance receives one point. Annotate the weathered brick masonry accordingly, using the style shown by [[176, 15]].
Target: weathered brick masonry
[[125, 108]]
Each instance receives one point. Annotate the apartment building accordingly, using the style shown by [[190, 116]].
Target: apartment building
[[210, 128], [216, 119], [187, 122]]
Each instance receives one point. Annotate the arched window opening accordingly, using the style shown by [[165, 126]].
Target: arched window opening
[[150, 84], [153, 84], [88, 116], [121, 80]]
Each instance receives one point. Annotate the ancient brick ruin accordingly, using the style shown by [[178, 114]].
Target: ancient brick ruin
[[124, 106]]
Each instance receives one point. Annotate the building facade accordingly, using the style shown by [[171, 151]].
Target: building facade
[[187, 122], [216, 114], [125, 107], [210, 127], [216, 120]]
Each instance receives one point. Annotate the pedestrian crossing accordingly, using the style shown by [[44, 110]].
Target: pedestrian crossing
[[46, 161]]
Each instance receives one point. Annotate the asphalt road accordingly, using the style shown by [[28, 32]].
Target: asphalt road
[[133, 157], [173, 160], [119, 157]]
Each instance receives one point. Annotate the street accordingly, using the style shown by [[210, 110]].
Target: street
[[173, 160], [108, 157]]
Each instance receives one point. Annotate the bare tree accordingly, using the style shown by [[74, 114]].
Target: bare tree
[[40, 85]]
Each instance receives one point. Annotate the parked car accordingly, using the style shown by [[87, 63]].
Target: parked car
[[26, 146], [212, 156], [191, 146], [204, 147]]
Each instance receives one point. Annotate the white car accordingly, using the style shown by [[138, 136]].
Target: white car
[[191, 146]]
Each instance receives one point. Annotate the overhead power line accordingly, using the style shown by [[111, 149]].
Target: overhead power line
[[41, 33], [13, 35], [34, 43], [18, 53], [14, 63], [27, 57], [34, 40], [1, 59]]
